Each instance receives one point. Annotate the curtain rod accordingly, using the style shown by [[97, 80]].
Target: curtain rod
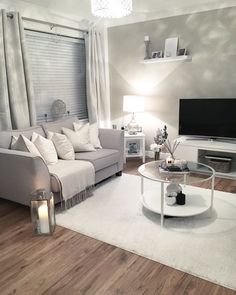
[[52, 25]]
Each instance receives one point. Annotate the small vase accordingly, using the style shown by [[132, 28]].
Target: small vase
[[157, 156], [180, 199]]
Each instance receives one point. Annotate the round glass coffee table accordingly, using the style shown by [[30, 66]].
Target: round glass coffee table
[[196, 202]]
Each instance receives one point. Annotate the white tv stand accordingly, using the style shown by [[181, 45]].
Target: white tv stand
[[195, 149]]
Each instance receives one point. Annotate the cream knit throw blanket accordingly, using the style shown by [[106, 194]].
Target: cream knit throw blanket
[[75, 176]]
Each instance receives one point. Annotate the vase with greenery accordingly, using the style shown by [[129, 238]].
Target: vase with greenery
[[159, 140]]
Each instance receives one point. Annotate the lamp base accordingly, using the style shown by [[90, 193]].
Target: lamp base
[[133, 126], [131, 132]]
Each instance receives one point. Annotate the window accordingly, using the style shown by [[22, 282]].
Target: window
[[58, 68]]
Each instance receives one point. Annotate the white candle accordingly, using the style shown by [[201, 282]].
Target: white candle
[[146, 38], [43, 219], [169, 161]]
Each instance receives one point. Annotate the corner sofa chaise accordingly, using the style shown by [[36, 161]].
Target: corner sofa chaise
[[22, 173]]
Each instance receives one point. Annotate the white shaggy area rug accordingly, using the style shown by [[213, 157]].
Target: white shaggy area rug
[[202, 246]]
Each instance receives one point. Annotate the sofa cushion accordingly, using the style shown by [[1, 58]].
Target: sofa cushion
[[46, 148], [94, 136], [23, 144], [62, 144], [56, 126], [5, 136], [101, 158], [93, 133], [79, 139]]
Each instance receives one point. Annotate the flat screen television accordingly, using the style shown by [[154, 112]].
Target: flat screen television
[[208, 117]]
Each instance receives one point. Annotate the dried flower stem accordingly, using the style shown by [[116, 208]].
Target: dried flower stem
[[171, 148]]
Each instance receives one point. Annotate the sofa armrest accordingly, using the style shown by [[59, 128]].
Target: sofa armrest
[[21, 174], [113, 139]]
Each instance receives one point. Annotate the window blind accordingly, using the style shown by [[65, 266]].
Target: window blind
[[58, 67]]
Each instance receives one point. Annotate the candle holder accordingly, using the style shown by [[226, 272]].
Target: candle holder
[[42, 212], [147, 49]]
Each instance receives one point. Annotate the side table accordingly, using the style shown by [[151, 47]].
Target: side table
[[134, 146]]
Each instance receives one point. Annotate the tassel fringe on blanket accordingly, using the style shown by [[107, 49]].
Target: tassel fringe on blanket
[[78, 198]]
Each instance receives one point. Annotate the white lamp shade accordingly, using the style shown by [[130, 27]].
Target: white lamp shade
[[133, 103]]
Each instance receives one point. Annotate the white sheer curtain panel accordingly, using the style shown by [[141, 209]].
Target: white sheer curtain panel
[[97, 99]]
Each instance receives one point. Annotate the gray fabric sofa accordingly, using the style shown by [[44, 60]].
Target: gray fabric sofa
[[22, 173]]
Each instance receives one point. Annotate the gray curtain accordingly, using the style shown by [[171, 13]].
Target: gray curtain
[[17, 107], [97, 99]]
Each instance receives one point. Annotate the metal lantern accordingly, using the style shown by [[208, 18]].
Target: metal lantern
[[42, 212]]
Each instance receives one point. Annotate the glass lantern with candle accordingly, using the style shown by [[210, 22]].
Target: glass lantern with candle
[[42, 212]]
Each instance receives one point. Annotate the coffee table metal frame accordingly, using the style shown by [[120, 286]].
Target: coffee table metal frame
[[168, 179]]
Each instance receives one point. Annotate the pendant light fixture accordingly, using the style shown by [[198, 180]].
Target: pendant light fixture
[[111, 8]]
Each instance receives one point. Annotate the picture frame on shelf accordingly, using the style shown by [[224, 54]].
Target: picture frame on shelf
[[133, 148], [182, 51], [171, 46], [157, 54]]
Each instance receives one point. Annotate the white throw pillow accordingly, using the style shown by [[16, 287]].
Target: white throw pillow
[[62, 144], [79, 139], [23, 144], [46, 148], [93, 134]]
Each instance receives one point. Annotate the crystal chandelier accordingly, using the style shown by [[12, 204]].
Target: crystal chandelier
[[111, 8]]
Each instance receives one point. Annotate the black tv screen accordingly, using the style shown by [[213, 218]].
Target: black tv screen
[[209, 117]]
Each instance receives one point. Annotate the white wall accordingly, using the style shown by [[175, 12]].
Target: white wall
[[209, 36]]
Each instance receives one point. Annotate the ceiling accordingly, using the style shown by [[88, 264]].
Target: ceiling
[[142, 9]]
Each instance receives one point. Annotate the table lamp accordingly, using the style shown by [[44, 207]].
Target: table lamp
[[133, 104]]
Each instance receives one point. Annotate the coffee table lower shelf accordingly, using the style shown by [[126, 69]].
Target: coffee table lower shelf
[[195, 204]]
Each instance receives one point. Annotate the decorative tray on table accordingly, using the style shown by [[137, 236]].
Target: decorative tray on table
[[181, 168]]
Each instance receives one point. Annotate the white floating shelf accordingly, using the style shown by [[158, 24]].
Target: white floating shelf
[[167, 59]]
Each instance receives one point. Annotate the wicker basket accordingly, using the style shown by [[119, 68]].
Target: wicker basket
[[223, 166]]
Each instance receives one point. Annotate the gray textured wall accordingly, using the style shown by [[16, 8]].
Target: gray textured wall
[[211, 40]]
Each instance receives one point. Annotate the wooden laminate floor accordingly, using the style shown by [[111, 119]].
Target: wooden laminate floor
[[71, 263]]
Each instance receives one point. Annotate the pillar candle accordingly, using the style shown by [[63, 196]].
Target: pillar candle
[[43, 219]]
